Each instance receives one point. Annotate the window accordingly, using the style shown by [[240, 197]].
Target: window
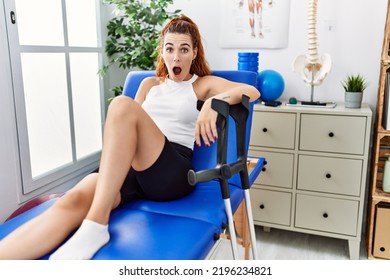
[[56, 52]]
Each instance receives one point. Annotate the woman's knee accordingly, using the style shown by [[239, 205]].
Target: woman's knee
[[122, 106], [81, 196]]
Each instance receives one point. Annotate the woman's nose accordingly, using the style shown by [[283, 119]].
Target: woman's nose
[[176, 57]]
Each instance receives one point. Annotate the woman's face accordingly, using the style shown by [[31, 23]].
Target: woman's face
[[178, 54]]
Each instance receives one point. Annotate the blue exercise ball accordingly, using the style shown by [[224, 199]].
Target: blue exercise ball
[[270, 84]]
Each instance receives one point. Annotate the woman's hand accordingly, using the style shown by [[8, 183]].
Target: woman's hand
[[206, 125]]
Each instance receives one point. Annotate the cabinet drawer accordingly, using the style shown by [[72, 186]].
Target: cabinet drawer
[[278, 171], [326, 214], [330, 175], [336, 134], [276, 130], [271, 206]]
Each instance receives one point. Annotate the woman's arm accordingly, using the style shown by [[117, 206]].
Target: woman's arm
[[210, 87], [220, 88]]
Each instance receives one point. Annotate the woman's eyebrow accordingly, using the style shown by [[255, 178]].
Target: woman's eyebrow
[[181, 45]]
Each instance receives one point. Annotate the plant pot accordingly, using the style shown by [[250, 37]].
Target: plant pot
[[353, 99]]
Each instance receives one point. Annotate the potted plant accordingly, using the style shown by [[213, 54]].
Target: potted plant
[[133, 34], [354, 86]]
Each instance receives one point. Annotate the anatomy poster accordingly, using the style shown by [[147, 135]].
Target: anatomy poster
[[254, 23]]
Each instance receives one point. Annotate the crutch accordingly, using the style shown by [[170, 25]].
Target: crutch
[[240, 113], [224, 171]]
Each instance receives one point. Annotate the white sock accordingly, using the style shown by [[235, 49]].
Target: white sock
[[86, 241]]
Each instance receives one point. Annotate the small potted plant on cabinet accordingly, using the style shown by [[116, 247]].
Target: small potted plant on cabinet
[[354, 86]]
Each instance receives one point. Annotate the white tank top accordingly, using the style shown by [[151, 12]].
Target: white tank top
[[172, 106]]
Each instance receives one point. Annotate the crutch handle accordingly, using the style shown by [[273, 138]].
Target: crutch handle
[[220, 172]]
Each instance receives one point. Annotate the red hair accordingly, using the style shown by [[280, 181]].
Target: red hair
[[184, 25]]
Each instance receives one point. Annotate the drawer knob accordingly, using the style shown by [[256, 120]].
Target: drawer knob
[[325, 215], [331, 134], [264, 169], [265, 129], [328, 175], [261, 206]]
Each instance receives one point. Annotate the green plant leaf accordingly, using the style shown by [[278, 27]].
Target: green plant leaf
[[354, 83], [133, 35]]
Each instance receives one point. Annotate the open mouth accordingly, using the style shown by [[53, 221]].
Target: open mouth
[[176, 70]]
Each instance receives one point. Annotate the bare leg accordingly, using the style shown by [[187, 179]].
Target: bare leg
[[123, 126], [50, 228], [131, 138]]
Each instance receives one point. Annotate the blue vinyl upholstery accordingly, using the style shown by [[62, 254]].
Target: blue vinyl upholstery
[[186, 228]]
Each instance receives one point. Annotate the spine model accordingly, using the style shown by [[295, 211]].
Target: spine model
[[312, 67]]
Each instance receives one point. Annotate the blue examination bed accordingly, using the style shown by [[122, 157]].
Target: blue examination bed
[[186, 228]]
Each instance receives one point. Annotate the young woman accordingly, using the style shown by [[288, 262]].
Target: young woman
[[146, 153]]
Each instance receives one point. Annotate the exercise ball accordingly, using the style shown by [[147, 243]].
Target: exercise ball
[[270, 84]]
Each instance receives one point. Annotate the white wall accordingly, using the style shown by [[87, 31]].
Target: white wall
[[355, 45]]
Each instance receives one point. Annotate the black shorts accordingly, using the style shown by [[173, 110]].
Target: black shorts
[[165, 180]]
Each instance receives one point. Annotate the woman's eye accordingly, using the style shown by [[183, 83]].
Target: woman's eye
[[184, 50], [169, 50]]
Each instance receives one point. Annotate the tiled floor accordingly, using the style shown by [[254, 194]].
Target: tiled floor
[[286, 245]]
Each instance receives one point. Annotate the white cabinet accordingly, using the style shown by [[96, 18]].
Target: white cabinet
[[316, 172]]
